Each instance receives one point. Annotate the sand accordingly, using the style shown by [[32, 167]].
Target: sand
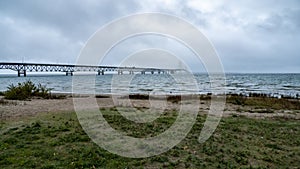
[[19, 109]]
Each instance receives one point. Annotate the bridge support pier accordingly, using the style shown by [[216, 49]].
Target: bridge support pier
[[21, 72], [120, 72], [143, 72], [100, 72], [69, 73]]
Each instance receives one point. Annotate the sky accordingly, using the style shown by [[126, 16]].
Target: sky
[[249, 35]]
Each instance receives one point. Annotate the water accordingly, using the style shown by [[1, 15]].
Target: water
[[271, 84]]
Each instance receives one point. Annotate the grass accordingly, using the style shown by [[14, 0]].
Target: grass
[[56, 140], [26, 90], [257, 101], [265, 102]]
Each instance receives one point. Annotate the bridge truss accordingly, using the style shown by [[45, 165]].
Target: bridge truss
[[23, 68]]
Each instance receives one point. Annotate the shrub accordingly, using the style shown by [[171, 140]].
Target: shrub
[[26, 90], [42, 91]]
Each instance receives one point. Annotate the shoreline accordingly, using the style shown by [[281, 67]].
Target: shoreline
[[248, 95], [137, 95], [143, 96]]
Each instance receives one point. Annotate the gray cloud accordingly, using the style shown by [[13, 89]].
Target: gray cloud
[[53, 31], [260, 36]]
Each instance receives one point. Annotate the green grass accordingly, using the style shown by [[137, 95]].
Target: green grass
[[56, 140], [265, 102], [258, 101]]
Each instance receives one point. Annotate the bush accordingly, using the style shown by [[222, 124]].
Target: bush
[[26, 90]]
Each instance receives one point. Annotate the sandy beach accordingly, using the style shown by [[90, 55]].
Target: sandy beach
[[12, 109]]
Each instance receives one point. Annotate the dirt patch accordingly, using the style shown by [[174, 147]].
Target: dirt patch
[[16, 109]]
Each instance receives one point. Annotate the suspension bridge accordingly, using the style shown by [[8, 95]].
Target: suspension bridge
[[22, 69]]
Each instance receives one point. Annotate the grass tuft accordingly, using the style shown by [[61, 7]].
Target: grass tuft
[[264, 102], [26, 90]]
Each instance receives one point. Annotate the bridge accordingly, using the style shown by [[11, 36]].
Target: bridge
[[24, 68]]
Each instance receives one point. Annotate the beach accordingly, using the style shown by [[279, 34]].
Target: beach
[[265, 107], [258, 132]]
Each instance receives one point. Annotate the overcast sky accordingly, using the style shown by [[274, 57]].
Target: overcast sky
[[249, 36]]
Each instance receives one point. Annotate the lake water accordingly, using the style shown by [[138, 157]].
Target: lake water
[[271, 84]]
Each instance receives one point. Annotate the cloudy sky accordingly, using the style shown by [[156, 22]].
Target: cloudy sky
[[249, 36]]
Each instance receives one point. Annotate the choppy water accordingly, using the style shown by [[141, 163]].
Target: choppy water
[[271, 84]]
